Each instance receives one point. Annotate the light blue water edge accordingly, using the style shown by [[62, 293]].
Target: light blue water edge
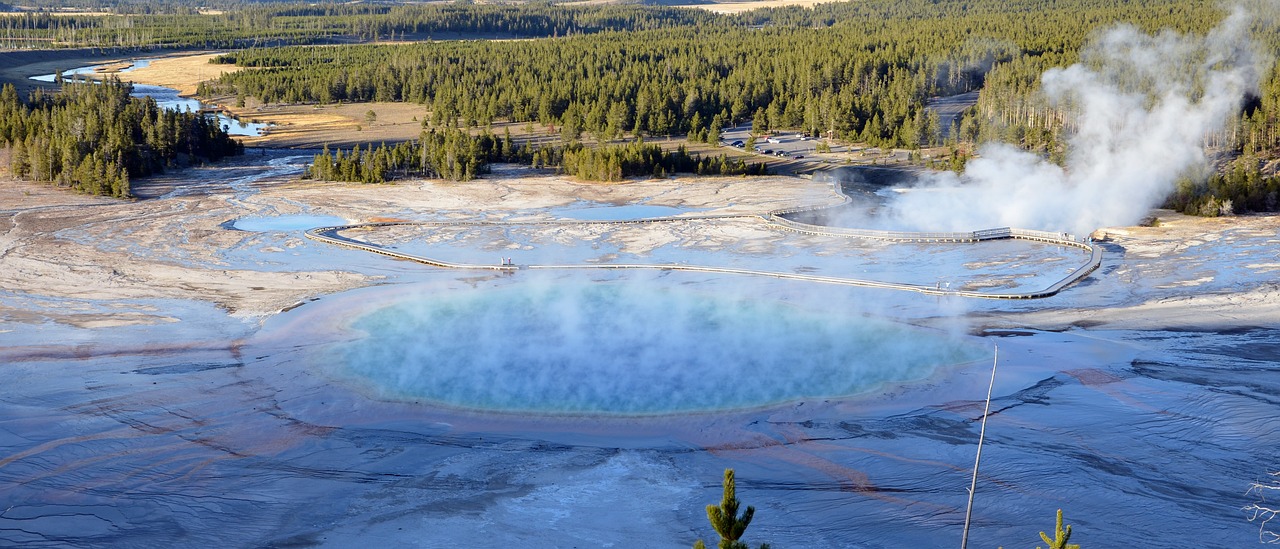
[[299, 222], [167, 98], [577, 347]]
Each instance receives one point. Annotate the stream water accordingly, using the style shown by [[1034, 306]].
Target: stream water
[[167, 98]]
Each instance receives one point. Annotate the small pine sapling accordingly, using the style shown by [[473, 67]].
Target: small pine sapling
[[724, 518], [1060, 536]]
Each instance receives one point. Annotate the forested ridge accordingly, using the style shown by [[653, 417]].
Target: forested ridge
[[859, 71], [96, 138], [657, 82], [864, 73], [138, 26], [460, 156]]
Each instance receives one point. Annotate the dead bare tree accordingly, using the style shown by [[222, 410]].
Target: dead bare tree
[[1263, 512]]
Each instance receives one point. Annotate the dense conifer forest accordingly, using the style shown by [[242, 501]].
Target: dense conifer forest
[[96, 138], [144, 25], [857, 71], [459, 156]]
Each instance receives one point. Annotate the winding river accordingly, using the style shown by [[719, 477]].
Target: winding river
[[167, 98]]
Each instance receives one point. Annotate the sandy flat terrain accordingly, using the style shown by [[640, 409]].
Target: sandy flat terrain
[[62, 12], [183, 72], [344, 125], [295, 126], [730, 8], [59, 245], [82, 249]]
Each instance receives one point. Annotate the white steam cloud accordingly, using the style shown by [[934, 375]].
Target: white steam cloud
[[1143, 104], [574, 345]]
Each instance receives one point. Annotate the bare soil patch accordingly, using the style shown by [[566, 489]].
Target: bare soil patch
[[340, 125], [57, 12], [79, 251], [729, 8], [182, 72]]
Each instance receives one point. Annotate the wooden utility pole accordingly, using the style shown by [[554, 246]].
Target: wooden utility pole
[[982, 433]]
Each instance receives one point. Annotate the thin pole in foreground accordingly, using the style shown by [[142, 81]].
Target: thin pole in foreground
[[982, 433]]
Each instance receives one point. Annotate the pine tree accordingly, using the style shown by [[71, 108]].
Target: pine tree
[[1060, 536], [725, 519]]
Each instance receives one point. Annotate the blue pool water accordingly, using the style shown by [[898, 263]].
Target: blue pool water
[[630, 349]]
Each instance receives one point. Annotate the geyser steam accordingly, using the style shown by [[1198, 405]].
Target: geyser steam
[[583, 347], [1144, 106]]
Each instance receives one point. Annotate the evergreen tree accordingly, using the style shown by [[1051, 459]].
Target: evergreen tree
[[725, 518], [1060, 536], [95, 137]]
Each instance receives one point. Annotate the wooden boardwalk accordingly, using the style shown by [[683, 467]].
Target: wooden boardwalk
[[331, 235]]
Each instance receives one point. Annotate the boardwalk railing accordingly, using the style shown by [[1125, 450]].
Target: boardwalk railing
[[330, 235]]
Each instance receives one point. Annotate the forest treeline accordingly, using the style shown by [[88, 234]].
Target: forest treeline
[[615, 162], [664, 82], [460, 156], [1012, 108], [864, 73], [1240, 188], [183, 25], [450, 154], [859, 71], [96, 137]]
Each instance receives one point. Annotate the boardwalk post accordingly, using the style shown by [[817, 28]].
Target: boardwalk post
[[982, 433]]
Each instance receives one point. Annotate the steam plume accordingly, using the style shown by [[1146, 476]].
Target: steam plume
[[1144, 106]]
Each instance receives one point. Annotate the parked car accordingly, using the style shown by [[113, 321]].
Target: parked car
[[736, 144], [768, 151], [799, 156]]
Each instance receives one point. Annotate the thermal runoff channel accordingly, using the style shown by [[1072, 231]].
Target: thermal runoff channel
[[631, 349]]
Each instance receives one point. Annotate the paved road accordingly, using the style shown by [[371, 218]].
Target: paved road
[[796, 146], [950, 108]]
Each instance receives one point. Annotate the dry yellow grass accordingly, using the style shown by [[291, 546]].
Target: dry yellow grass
[[182, 73], [293, 125], [339, 125], [62, 12], [730, 8]]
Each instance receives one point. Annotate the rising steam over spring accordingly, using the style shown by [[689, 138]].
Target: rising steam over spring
[[610, 348]]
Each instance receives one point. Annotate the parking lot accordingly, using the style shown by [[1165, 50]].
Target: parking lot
[[792, 145]]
